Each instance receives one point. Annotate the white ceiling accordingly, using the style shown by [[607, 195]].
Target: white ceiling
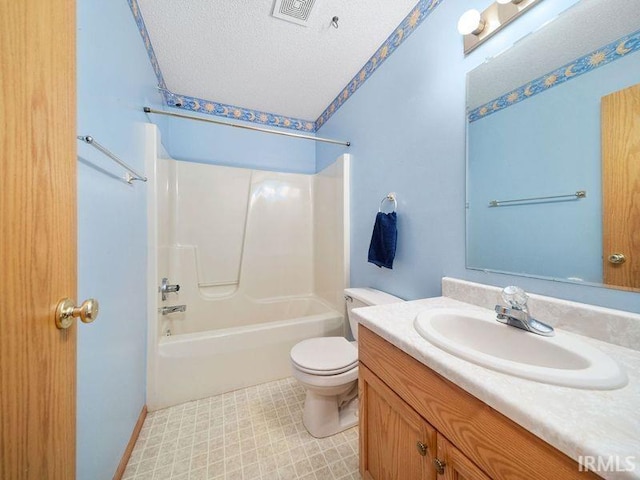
[[235, 52]]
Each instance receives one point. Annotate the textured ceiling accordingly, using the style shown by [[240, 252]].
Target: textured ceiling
[[235, 52]]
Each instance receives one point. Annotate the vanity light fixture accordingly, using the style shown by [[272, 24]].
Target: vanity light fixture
[[476, 27], [471, 23]]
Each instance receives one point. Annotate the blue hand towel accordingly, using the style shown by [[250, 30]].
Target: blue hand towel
[[383, 240]]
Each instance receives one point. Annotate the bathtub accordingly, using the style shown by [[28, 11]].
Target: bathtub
[[261, 258], [196, 365]]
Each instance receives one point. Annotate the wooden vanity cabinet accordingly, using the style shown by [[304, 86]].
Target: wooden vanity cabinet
[[395, 442], [456, 465], [416, 425]]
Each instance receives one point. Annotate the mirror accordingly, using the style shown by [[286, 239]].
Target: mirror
[[553, 151]]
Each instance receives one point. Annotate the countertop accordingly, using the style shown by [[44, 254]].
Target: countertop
[[577, 422]]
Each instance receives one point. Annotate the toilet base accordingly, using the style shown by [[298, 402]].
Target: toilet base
[[323, 416]]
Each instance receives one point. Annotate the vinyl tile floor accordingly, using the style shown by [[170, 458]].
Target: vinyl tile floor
[[251, 434]]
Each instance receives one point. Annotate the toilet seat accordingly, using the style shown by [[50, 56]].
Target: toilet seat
[[324, 356], [322, 382]]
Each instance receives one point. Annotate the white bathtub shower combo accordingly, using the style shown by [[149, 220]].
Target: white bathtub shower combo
[[261, 259]]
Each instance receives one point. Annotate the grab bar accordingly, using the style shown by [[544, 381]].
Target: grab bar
[[498, 203], [131, 174]]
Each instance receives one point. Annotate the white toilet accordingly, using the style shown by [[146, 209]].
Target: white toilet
[[328, 368]]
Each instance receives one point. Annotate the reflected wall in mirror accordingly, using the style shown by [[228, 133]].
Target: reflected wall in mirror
[[556, 114]]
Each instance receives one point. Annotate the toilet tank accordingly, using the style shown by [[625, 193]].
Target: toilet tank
[[364, 297]]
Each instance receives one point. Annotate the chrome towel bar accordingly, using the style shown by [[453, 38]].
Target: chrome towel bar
[[578, 195], [131, 174]]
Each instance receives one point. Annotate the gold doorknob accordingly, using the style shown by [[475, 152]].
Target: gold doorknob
[[617, 258], [66, 311]]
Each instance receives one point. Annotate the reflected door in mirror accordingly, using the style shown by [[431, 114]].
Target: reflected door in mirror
[[621, 187]]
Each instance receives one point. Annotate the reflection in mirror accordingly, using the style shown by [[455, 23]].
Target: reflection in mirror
[[558, 114]]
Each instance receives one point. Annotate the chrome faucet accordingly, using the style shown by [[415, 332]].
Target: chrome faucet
[[166, 288], [517, 314], [173, 309]]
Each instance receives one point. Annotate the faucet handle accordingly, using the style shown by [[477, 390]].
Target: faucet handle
[[166, 288], [516, 297]]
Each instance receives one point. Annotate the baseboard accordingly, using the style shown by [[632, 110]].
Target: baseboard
[[132, 442]]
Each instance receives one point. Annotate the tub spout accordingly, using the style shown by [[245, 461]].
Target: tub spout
[[173, 309]]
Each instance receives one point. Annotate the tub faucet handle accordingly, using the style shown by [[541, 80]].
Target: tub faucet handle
[[166, 288]]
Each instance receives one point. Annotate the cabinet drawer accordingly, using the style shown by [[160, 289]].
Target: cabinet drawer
[[500, 447]]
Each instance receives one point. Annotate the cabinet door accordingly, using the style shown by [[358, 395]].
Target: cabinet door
[[451, 464], [395, 442]]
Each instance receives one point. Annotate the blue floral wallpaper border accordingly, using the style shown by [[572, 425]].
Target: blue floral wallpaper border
[[142, 28], [207, 106], [417, 15], [585, 64], [201, 105]]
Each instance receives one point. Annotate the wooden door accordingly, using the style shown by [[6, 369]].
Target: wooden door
[[37, 249], [621, 187], [395, 442], [455, 465]]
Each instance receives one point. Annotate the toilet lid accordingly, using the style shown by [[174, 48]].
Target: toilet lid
[[324, 355]]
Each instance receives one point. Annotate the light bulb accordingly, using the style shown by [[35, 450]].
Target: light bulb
[[503, 2], [471, 22]]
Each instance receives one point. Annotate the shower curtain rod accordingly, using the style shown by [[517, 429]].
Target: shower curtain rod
[[247, 127]]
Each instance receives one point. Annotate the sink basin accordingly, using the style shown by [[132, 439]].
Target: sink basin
[[476, 336]]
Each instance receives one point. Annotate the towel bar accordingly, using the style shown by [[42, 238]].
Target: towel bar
[[130, 175], [578, 195], [390, 197]]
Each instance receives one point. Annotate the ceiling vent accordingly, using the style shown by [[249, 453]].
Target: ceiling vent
[[294, 11]]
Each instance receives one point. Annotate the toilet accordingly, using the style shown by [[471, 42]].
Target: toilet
[[327, 367]]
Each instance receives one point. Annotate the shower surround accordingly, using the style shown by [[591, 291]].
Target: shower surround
[[261, 259]]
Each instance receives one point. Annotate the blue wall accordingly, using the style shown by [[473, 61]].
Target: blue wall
[[546, 145], [114, 80], [407, 128], [208, 143]]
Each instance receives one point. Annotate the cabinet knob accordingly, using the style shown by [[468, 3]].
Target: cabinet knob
[[439, 464], [422, 448]]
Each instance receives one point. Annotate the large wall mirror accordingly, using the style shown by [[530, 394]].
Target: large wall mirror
[[553, 151]]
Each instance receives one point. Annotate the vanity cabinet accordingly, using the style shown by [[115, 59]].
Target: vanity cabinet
[[395, 442], [454, 464], [416, 425]]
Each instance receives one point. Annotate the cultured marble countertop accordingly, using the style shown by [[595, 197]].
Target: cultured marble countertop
[[577, 422]]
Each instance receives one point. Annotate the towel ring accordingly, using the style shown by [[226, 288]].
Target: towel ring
[[390, 197]]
